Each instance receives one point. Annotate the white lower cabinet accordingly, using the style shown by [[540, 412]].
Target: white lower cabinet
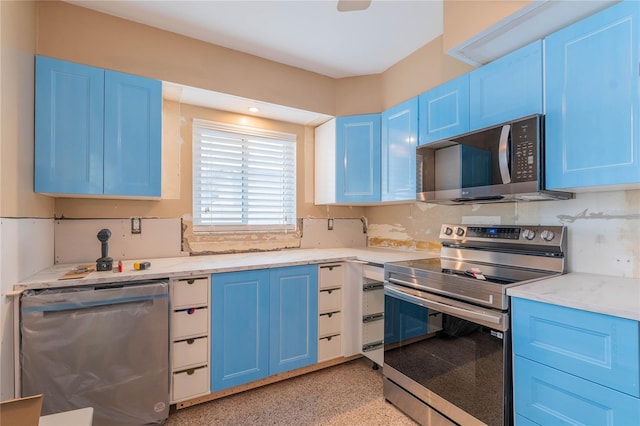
[[190, 383], [190, 319], [373, 313], [330, 282]]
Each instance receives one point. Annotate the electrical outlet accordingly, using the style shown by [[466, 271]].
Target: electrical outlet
[[330, 224], [136, 225]]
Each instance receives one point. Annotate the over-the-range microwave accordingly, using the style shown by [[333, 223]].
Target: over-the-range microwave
[[498, 164]]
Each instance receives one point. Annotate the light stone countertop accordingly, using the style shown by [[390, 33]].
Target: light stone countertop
[[603, 294], [190, 266]]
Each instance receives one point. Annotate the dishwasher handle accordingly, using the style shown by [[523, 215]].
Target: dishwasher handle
[[78, 298]]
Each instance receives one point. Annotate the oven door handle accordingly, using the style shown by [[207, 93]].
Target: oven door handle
[[482, 317]]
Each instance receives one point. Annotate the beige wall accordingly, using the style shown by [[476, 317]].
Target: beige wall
[[424, 69], [179, 205], [464, 19], [17, 47], [81, 35], [77, 34]]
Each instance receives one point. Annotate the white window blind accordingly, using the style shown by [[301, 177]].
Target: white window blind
[[243, 178]]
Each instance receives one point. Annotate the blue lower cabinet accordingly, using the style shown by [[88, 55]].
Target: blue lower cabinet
[[596, 347], [294, 318], [239, 327], [547, 396], [573, 366], [263, 322]]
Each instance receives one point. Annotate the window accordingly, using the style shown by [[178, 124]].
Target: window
[[243, 178]]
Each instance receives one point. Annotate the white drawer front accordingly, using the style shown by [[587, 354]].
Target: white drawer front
[[330, 300], [189, 323], [330, 275], [372, 301], [192, 352], [190, 383], [329, 324], [329, 348], [189, 293]]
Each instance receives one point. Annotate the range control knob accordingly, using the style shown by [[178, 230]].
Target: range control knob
[[529, 234], [447, 231], [459, 232], [547, 235]]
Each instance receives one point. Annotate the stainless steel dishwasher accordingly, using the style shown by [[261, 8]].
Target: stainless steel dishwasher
[[102, 346]]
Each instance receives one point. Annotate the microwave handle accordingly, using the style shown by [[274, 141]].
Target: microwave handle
[[503, 154]]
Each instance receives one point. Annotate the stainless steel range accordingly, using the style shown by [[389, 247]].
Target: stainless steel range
[[447, 336]]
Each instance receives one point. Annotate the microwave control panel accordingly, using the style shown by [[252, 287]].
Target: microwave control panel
[[524, 150]]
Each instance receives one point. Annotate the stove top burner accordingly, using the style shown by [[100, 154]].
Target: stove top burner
[[495, 274], [478, 263]]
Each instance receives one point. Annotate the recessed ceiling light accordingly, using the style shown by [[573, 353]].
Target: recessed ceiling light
[[254, 109]]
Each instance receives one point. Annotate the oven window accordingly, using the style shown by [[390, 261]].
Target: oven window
[[460, 361]]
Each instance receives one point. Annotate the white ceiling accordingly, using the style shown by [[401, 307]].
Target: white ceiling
[[308, 34]]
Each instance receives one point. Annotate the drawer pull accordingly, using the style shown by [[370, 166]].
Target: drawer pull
[[191, 281], [190, 311], [190, 341], [328, 338], [330, 314], [191, 371]]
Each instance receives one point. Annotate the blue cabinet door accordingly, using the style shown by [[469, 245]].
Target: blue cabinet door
[[444, 111], [358, 158], [600, 348], [547, 396], [398, 152], [507, 88], [132, 135], [294, 318], [239, 328], [69, 112], [592, 94]]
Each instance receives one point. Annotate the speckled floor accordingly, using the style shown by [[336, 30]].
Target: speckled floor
[[347, 394]]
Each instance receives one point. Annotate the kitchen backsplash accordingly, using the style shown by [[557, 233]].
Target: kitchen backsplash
[[338, 232], [76, 239]]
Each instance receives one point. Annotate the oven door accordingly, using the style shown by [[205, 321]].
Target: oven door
[[446, 362]]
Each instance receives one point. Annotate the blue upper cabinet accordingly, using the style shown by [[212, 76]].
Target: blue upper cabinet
[[294, 318], [358, 158], [507, 88], [398, 152], [592, 96], [444, 111], [97, 132], [132, 135], [69, 111]]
